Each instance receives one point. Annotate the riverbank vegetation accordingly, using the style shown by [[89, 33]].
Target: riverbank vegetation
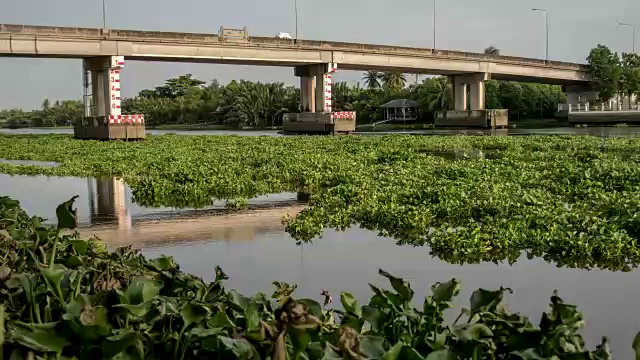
[[67, 298], [188, 101], [570, 200], [614, 74]]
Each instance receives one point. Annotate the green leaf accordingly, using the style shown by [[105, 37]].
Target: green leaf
[[53, 278], [394, 352], [485, 300], [241, 348], [313, 306], [528, 354], [399, 285], [80, 246], [163, 263], [300, 339], [252, 317], [471, 332], [124, 346], [193, 314], [220, 320], [445, 292], [141, 290], [373, 316], [443, 354], [372, 346], [349, 303], [42, 341], [67, 216]]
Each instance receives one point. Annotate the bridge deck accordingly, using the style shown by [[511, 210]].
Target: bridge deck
[[269, 42]]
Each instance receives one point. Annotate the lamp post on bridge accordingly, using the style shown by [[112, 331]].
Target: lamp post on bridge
[[104, 15], [633, 29], [546, 26], [434, 25], [295, 9]]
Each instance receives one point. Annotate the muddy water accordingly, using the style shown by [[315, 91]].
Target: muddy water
[[593, 131], [254, 250]]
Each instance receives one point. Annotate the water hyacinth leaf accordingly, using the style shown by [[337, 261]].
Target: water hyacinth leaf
[[53, 278], [394, 352], [241, 348], [443, 354], [300, 340], [349, 303], [372, 346], [399, 285], [220, 320], [486, 300], [141, 290], [193, 314], [472, 332], [445, 292], [67, 216], [252, 317], [313, 307], [40, 340], [80, 246], [330, 354], [163, 263], [373, 316], [410, 353], [125, 346]]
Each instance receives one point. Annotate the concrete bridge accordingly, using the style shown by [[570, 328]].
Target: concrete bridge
[[104, 52]]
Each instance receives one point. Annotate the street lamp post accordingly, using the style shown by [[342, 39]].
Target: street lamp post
[[546, 26], [434, 25], [633, 46], [295, 9], [104, 15]]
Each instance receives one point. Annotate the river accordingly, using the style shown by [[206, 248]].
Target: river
[[254, 250], [593, 131]]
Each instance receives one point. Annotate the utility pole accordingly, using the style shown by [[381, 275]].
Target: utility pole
[[633, 29], [546, 25]]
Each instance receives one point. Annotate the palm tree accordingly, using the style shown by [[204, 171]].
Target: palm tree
[[394, 81], [441, 94], [372, 79], [492, 50]]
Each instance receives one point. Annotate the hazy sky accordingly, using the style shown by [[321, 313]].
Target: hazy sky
[[575, 26]]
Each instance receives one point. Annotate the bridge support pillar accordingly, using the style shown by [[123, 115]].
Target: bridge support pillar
[[315, 87], [102, 103], [468, 91], [469, 105]]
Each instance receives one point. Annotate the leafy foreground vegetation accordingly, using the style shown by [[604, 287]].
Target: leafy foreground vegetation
[[570, 200], [66, 298]]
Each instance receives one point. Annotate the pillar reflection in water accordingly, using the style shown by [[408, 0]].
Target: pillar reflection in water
[[111, 203]]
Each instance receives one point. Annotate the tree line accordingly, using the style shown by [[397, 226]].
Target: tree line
[[241, 104]]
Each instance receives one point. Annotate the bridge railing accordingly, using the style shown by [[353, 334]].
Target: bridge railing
[[165, 36], [586, 107]]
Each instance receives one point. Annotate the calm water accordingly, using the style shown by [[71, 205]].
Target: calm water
[[256, 251], [594, 131]]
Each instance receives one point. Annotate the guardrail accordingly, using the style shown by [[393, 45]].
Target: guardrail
[[586, 107], [163, 36]]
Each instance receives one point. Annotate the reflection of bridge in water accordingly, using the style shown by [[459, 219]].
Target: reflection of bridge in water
[[112, 222], [111, 204]]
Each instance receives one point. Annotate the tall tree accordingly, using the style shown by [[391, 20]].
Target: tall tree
[[630, 78], [605, 70], [394, 81], [372, 79]]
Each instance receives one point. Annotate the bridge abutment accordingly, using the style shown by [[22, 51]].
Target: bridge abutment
[[103, 118]]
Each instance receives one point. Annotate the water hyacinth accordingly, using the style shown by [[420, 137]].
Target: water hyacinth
[[66, 298]]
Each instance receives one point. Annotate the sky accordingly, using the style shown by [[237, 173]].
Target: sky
[[575, 26]]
